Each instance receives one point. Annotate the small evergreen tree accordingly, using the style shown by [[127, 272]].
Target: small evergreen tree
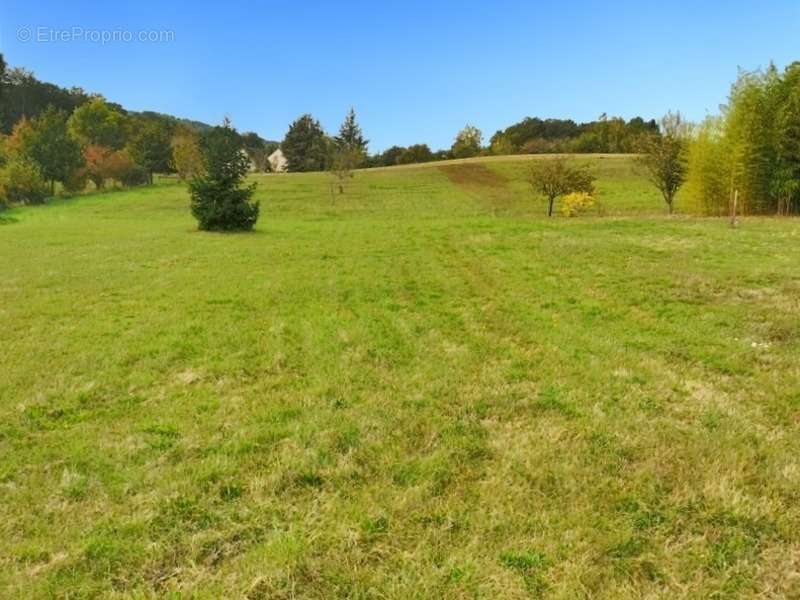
[[220, 201]]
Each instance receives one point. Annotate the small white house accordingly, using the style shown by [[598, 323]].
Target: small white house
[[251, 166], [277, 161]]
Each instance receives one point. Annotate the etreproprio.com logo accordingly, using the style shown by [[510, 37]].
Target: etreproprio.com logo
[[54, 35]]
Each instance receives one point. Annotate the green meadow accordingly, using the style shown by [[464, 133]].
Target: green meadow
[[421, 388]]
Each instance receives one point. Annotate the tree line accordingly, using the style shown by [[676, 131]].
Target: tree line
[[564, 136], [751, 150], [51, 135], [745, 160], [532, 135]]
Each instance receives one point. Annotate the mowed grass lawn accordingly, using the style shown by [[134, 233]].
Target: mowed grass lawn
[[422, 388]]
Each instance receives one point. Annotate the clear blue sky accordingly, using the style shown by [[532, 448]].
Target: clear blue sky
[[414, 71]]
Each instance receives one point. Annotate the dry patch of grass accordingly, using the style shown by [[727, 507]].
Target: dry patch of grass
[[473, 175], [480, 182]]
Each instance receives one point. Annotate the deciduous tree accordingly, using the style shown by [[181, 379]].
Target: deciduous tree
[[554, 177], [97, 123], [345, 160], [663, 158], [501, 144], [187, 158], [467, 142], [98, 164], [416, 153], [21, 182], [49, 145], [150, 146]]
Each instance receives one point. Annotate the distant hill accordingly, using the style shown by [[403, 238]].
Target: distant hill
[[23, 95], [198, 126]]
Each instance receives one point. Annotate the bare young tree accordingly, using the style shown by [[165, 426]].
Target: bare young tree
[[554, 177], [343, 162], [349, 149], [662, 156]]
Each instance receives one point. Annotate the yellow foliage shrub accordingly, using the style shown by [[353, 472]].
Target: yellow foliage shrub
[[576, 203]]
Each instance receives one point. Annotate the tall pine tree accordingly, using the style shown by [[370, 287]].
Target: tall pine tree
[[350, 136]]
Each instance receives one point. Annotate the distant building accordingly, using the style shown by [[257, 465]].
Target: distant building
[[251, 166], [277, 161]]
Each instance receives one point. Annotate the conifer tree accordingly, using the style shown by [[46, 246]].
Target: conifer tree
[[305, 145], [220, 201], [350, 136]]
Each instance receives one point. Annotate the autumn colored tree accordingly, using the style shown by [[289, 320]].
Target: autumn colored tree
[[20, 139], [98, 164], [187, 158]]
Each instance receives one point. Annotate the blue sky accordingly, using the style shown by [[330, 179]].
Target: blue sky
[[415, 72]]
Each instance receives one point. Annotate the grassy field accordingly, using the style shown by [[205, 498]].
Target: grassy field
[[420, 389]]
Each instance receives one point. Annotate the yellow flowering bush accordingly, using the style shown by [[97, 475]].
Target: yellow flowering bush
[[576, 203]]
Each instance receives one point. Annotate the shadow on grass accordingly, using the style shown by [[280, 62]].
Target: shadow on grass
[[228, 232]]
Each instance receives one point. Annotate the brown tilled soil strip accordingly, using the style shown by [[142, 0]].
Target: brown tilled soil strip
[[481, 183], [473, 175]]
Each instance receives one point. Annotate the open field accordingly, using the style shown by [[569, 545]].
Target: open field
[[422, 388]]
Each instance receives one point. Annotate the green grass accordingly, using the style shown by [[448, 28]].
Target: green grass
[[422, 388]]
